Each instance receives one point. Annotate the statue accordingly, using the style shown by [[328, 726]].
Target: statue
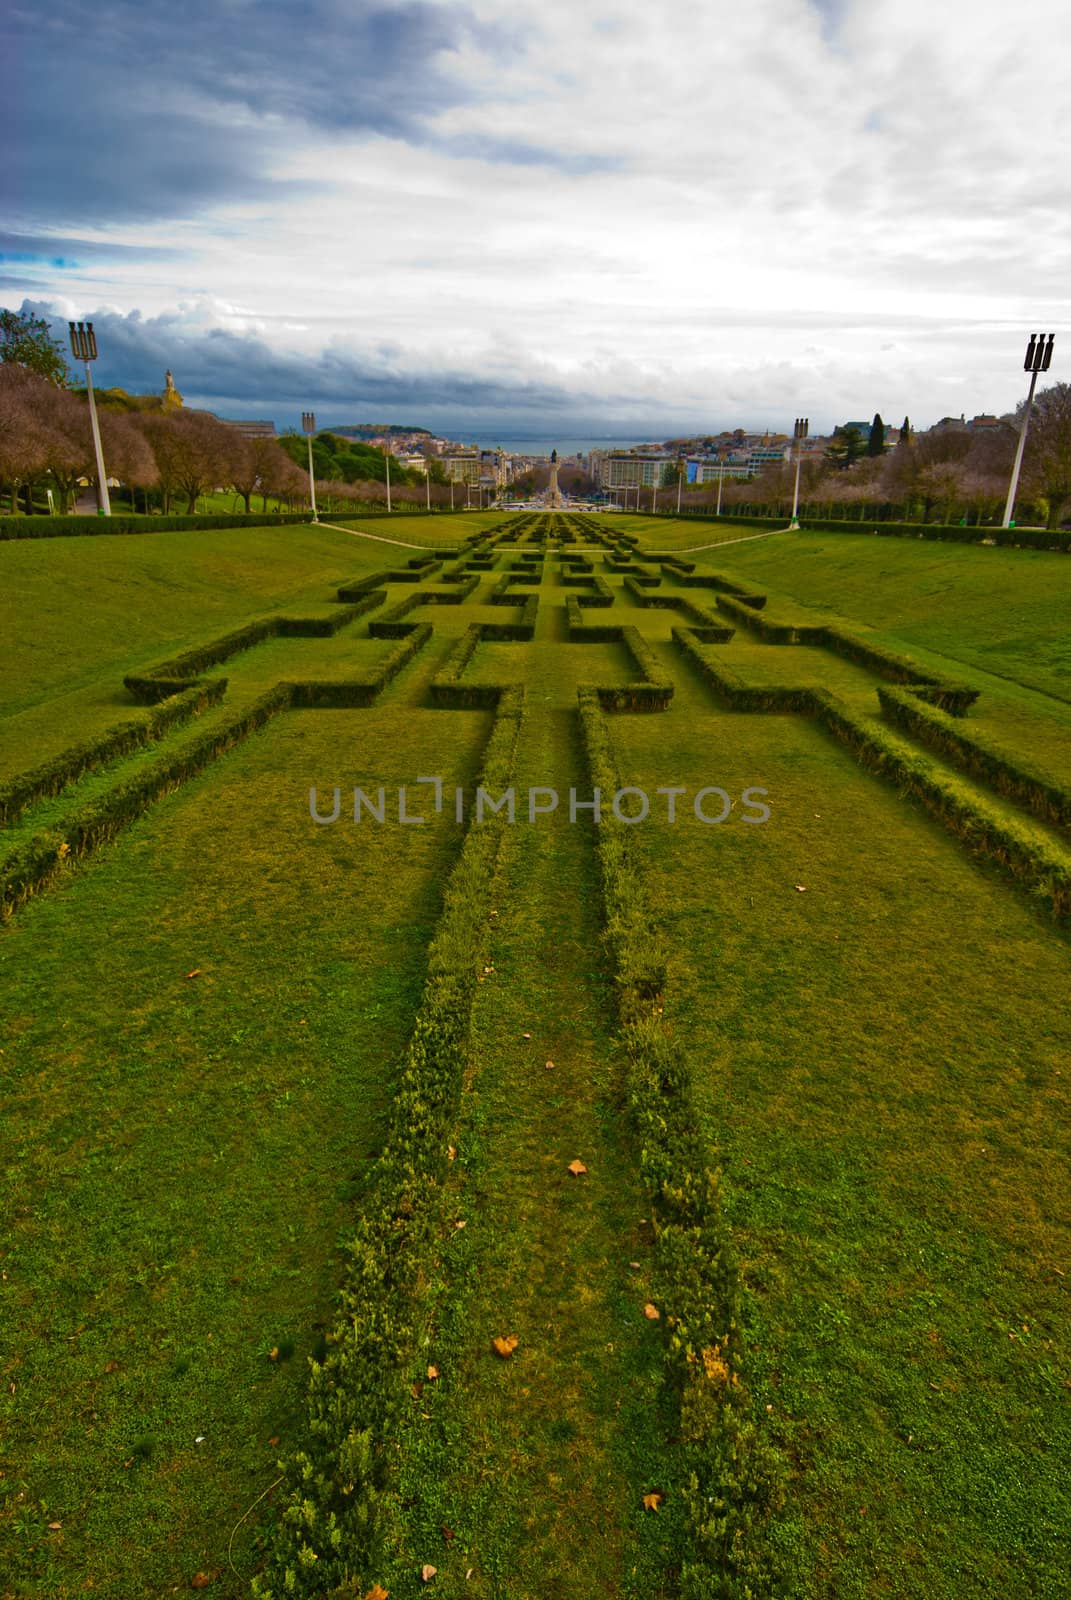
[[171, 397]]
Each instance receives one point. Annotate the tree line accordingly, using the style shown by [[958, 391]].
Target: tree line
[[166, 458]]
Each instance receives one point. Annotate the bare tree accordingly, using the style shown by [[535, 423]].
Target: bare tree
[[1047, 465]]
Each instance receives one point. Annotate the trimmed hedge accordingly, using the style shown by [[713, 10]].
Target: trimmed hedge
[[52, 777], [885, 663], [35, 865], [74, 526], [654, 689], [1016, 779], [171, 677], [330, 1533], [1039, 867], [732, 1477]]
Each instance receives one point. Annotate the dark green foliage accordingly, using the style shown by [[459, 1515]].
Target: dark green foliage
[[652, 692], [1039, 867], [65, 527], [733, 1477], [1016, 779], [52, 777], [26, 341], [172, 676], [875, 445], [329, 1534]]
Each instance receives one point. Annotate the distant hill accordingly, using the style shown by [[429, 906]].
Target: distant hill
[[375, 430]]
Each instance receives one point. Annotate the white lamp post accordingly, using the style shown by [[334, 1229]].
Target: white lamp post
[[308, 427], [387, 457], [1038, 357], [721, 480], [799, 433], [84, 348], [680, 482]]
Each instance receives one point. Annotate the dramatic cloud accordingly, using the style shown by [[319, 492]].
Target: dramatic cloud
[[816, 206]]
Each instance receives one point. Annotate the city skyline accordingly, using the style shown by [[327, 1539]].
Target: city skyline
[[473, 217]]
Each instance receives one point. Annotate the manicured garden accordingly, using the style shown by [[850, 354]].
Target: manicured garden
[[503, 1205]]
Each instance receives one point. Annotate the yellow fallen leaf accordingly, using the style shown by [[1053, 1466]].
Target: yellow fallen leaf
[[505, 1347], [549, 1065], [801, 888], [377, 1592], [427, 1573], [651, 1312], [433, 1373], [450, 1152], [54, 1526], [196, 973], [200, 1580], [652, 1501], [576, 1168], [273, 1353]]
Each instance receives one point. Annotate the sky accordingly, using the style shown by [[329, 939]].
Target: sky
[[511, 216]]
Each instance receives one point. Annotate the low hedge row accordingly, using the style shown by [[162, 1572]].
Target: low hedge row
[[652, 691], [599, 594], [361, 691], [583, 632], [702, 622], [171, 677], [35, 865], [392, 624], [74, 526], [52, 777], [885, 663], [330, 1535], [732, 1477], [447, 689], [973, 753], [1039, 867], [523, 628]]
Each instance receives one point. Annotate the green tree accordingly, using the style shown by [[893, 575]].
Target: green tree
[[875, 445], [27, 342], [845, 447], [905, 433]]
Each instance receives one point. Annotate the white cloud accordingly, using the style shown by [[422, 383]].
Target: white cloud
[[839, 207]]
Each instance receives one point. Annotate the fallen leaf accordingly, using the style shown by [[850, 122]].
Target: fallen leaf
[[505, 1347], [526, 1035], [576, 1168], [652, 1501], [273, 1441], [549, 1065], [417, 1390], [111, 1366], [469, 1573], [200, 1580], [54, 1526], [273, 1353], [433, 1373], [448, 1533], [801, 888], [651, 1312], [460, 1223], [377, 1592], [427, 1573], [451, 1153], [196, 973], [635, 1265]]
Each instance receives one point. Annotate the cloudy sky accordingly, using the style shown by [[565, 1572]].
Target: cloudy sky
[[493, 215]]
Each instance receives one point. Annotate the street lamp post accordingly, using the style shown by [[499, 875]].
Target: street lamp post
[[1038, 357], [427, 480], [386, 455], [308, 427], [799, 433], [84, 348], [680, 482], [721, 480], [654, 498]]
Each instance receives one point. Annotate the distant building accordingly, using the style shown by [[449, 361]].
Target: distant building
[[984, 421], [251, 430], [462, 467]]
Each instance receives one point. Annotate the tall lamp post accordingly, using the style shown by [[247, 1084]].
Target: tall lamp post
[[84, 348], [308, 427], [1038, 356], [799, 433], [721, 480], [680, 481], [427, 480], [386, 455]]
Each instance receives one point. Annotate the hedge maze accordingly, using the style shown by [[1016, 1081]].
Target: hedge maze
[[554, 630]]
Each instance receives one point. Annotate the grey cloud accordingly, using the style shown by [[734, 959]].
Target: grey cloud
[[240, 372], [65, 250], [124, 110]]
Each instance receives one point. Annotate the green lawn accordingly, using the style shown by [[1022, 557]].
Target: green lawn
[[203, 1030]]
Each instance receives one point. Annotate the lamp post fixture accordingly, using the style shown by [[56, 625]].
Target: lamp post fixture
[[84, 348], [680, 481], [721, 480], [308, 427], [799, 433], [654, 498], [427, 480], [1038, 357], [386, 455]]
